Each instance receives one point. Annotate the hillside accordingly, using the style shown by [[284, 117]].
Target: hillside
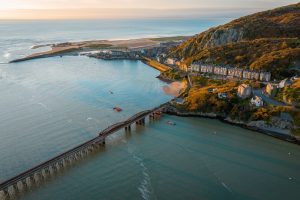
[[266, 40]]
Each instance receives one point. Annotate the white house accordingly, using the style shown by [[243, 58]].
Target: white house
[[257, 101], [195, 67], [265, 76], [244, 91], [170, 61], [285, 82]]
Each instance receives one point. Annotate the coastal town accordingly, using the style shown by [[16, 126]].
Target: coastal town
[[255, 93], [265, 99], [140, 99], [264, 103]]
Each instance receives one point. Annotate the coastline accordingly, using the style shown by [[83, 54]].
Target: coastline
[[171, 110], [76, 48], [72, 48]]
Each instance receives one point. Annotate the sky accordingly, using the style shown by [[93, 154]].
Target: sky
[[82, 9]]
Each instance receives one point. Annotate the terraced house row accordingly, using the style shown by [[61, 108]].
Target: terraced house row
[[230, 71]]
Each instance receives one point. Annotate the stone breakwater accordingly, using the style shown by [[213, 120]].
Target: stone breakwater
[[258, 126]]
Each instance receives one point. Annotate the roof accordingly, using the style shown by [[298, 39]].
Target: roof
[[285, 82], [244, 85]]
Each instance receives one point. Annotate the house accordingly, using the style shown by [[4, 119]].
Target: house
[[285, 82], [271, 89], [116, 53], [170, 61], [230, 72], [235, 72], [265, 76], [219, 70], [222, 95], [195, 68], [257, 101], [183, 67], [207, 69], [244, 91], [247, 74], [238, 73], [255, 75]]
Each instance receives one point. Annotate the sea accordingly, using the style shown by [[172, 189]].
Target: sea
[[50, 105]]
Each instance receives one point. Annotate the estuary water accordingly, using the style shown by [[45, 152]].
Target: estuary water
[[50, 105]]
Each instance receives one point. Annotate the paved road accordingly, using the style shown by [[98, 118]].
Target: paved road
[[267, 99]]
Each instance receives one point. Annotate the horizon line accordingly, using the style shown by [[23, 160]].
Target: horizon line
[[123, 13]]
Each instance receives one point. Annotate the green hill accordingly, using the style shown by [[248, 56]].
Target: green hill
[[268, 40]]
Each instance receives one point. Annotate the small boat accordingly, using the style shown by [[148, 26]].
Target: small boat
[[118, 109], [171, 123], [110, 92]]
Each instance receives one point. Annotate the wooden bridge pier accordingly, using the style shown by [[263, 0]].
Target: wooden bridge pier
[[141, 121], [128, 128]]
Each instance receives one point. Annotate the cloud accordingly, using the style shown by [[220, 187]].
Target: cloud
[[162, 4]]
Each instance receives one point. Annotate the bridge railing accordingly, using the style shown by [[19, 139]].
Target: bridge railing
[[4, 185], [72, 152]]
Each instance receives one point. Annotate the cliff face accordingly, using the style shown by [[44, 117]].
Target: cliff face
[[278, 24]]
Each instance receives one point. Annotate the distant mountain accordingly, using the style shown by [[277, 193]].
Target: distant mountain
[[268, 40]]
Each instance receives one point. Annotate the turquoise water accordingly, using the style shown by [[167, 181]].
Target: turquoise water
[[50, 105], [16, 37], [196, 159]]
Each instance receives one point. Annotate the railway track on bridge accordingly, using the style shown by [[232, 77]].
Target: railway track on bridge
[[23, 181]]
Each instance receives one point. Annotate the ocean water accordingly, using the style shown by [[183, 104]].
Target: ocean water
[[16, 37], [50, 105]]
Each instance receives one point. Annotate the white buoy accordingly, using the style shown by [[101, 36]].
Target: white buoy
[[11, 191], [28, 182], [20, 186], [2, 195]]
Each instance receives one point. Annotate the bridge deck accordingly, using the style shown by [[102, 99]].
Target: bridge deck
[[99, 139]]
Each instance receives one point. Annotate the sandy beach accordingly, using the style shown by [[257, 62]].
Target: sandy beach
[[74, 47], [175, 88]]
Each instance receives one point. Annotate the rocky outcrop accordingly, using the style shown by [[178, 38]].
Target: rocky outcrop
[[220, 36]]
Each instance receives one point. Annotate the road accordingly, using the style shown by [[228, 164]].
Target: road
[[267, 99]]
